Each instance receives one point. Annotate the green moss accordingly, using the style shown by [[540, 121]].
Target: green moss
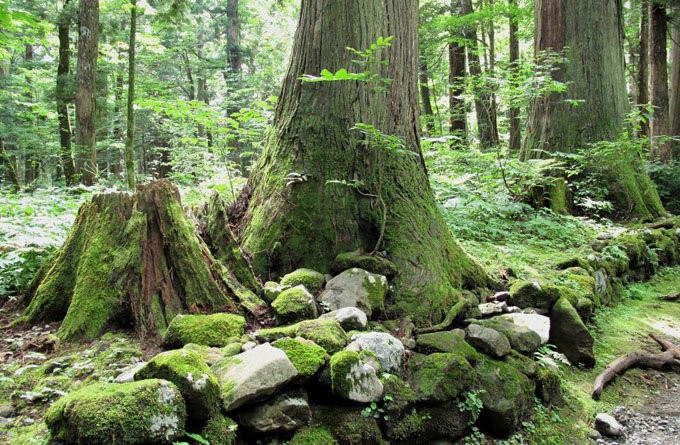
[[208, 330], [407, 427], [306, 356], [313, 436], [376, 287], [549, 386], [441, 377], [295, 304], [445, 341], [556, 193], [347, 425], [189, 372], [128, 413], [272, 290], [370, 358], [326, 333], [340, 365], [220, 430], [507, 398], [532, 294], [373, 263], [312, 280], [398, 395]]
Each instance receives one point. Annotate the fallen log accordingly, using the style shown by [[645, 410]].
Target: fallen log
[[670, 297], [669, 357]]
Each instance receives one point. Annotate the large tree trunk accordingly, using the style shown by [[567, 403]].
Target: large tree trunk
[[132, 260], [130, 133], [513, 112], [86, 75], [658, 81], [675, 83], [62, 95], [643, 65], [591, 33], [353, 190], [457, 59]]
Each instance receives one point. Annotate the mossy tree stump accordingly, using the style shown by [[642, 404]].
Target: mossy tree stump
[[133, 260]]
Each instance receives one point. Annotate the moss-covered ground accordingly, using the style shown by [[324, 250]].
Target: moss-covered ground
[[508, 239]]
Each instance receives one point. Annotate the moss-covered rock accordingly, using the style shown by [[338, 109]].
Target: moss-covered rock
[[521, 338], [487, 340], [444, 341], [286, 411], [425, 423], [253, 375], [312, 280], [294, 304], [549, 387], [313, 436], [570, 335], [305, 355], [189, 372], [272, 289], [373, 263], [507, 398], [145, 412], [220, 430], [440, 377], [354, 379], [532, 294], [208, 330], [326, 333], [347, 425], [212, 355], [398, 397], [355, 288]]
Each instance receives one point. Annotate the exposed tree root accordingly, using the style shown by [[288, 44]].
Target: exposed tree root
[[670, 356]]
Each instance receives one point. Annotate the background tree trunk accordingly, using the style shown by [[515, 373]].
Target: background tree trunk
[[130, 133], [483, 102], [658, 80], [426, 98], [594, 72], [675, 83], [513, 112], [457, 59], [643, 65], [62, 94], [308, 222], [88, 43]]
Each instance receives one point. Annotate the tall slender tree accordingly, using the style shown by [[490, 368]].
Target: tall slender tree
[[514, 112], [322, 186], [63, 96], [658, 80], [88, 43], [457, 61], [130, 133], [591, 34], [643, 65], [675, 83]]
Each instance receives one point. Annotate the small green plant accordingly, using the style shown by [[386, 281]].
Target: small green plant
[[373, 410], [475, 437], [197, 438], [548, 357], [472, 404]]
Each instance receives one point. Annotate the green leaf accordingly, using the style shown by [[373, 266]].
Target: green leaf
[[327, 74]]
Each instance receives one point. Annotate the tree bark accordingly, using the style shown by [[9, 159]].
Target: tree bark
[[658, 80], [86, 75], [643, 65], [306, 222], [426, 99], [675, 84], [483, 102], [133, 260], [457, 59], [62, 95], [513, 112], [130, 133], [591, 33]]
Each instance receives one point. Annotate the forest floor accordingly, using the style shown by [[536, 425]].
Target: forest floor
[[33, 372]]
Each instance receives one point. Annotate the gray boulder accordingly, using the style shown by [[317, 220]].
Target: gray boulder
[[350, 318], [494, 308], [608, 425], [521, 338], [253, 375], [355, 288], [287, 411], [540, 324], [487, 340], [388, 349]]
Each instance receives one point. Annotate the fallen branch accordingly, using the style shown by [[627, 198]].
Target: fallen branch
[[670, 356], [671, 297]]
